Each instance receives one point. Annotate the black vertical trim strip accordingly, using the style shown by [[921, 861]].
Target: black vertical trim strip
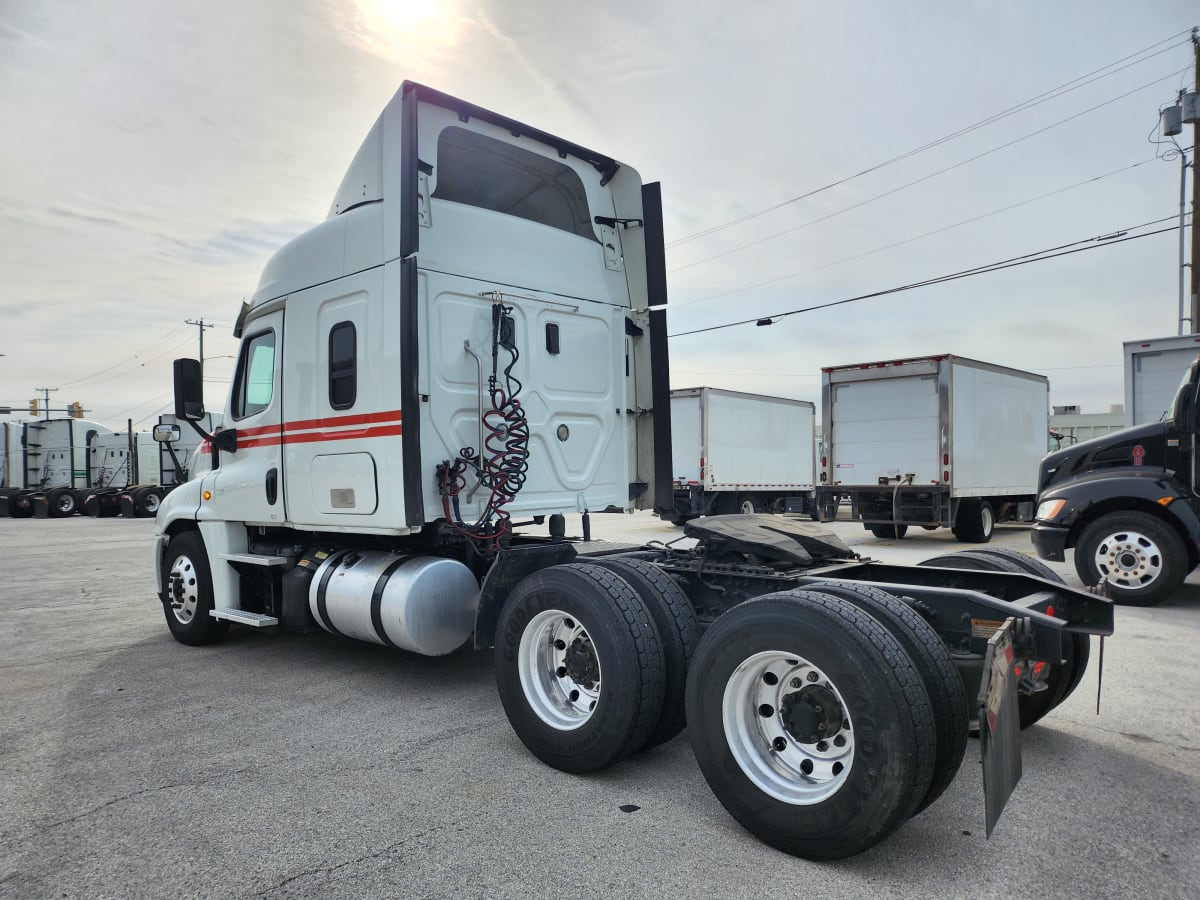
[[70, 447], [660, 393], [409, 231], [322, 611], [656, 253], [377, 599], [410, 400]]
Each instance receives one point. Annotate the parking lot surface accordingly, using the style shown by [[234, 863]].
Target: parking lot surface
[[282, 765]]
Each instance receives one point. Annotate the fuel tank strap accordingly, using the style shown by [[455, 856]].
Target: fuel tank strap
[[377, 600], [322, 611]]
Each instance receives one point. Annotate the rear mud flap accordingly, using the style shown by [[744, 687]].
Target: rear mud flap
[[999, 724]]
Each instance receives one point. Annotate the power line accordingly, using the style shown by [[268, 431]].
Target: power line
[[1118, 237], [923, 178], [122, 362], [1036, 100], [909, 240]]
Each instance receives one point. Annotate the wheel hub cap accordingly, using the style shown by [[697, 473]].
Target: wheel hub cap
[[559, 670], [811, 714], [1129, 559], [788, 728], [182, 592]]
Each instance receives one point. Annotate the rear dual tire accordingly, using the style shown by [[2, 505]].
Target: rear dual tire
[[579, 667], [1063, 676], [775, 684]]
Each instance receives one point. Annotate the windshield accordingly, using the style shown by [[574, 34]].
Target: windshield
[[1169, 415]]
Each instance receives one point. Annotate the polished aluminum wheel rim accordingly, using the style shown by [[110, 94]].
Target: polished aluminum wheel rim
[[152, 503], [559, 670], [183, 590], [793, 768], [1129, 559]]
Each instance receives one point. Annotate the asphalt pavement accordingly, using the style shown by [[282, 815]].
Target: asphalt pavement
[[285, 765]]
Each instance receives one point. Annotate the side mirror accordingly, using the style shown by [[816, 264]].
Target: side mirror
[[189, 390], [166, 434]]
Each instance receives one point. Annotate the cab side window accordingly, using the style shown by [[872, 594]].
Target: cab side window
[[343, 365], [255, 380]]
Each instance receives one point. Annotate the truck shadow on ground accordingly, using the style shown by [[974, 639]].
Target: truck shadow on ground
[[289, 761]]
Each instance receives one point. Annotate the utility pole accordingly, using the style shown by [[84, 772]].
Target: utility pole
[[1194, 306], [45, 392], [202, 325]]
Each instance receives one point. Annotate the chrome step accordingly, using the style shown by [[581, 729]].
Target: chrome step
[[255, 559], [253, 619]]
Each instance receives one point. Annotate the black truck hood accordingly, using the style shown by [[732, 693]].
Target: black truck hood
[[1153, 447]]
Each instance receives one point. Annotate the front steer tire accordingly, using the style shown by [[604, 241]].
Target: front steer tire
[[188, 592], [1142, 558], [579, 667], [754, 729]]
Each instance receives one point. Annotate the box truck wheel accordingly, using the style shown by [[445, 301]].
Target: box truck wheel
[[1064, 677], [579, 667], [975, 522], [810, 723], [1142, 558], [947, 694], [678, 630], [888, 532], [188, 592], [748, 505]]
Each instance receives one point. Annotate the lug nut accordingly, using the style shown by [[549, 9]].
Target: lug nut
[[812, 676], [839, 741], [795, 682], [779, 744], [822, 746]]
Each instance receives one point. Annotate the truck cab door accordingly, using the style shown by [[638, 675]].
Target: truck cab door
[[247, 482]]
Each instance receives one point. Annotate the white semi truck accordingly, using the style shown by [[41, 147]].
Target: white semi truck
[[935, 441], [476, 335], [734, 452], [1152, 369]]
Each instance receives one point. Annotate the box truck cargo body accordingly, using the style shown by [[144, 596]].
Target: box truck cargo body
[[938, 441], [1153, 369], [744, 453]]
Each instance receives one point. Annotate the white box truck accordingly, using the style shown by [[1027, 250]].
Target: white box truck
[[1153, 369], [733, 452], [477, 332], [935, 441]]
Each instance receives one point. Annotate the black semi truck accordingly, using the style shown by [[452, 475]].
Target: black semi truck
[[1128, 503]]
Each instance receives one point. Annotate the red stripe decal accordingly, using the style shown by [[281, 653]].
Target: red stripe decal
[[338, 421], [310, 437]]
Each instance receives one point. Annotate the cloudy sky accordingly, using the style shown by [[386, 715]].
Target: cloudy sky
[[154, 154]]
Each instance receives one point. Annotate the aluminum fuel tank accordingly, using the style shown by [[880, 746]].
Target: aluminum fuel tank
[[424, 604]]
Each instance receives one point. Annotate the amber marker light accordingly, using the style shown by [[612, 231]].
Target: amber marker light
[[207, 495], [1165, 501]]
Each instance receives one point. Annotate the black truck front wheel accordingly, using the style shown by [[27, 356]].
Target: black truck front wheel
[[579, 667], [1142, 559], [810, 723]]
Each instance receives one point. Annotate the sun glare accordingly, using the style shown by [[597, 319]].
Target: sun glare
[[391, 28]]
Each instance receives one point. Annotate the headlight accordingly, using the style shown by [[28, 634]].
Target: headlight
[[1048, 509]]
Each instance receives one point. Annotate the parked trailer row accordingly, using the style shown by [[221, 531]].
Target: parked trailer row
[[62, 467], [476, 333]]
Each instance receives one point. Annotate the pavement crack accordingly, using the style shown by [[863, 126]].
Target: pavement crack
[[374, 854], [1134, 736]]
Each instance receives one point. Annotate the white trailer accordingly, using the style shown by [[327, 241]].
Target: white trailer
[[1153, 369], [936, 441], [476, 331], [733, 452], [47, 462]]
